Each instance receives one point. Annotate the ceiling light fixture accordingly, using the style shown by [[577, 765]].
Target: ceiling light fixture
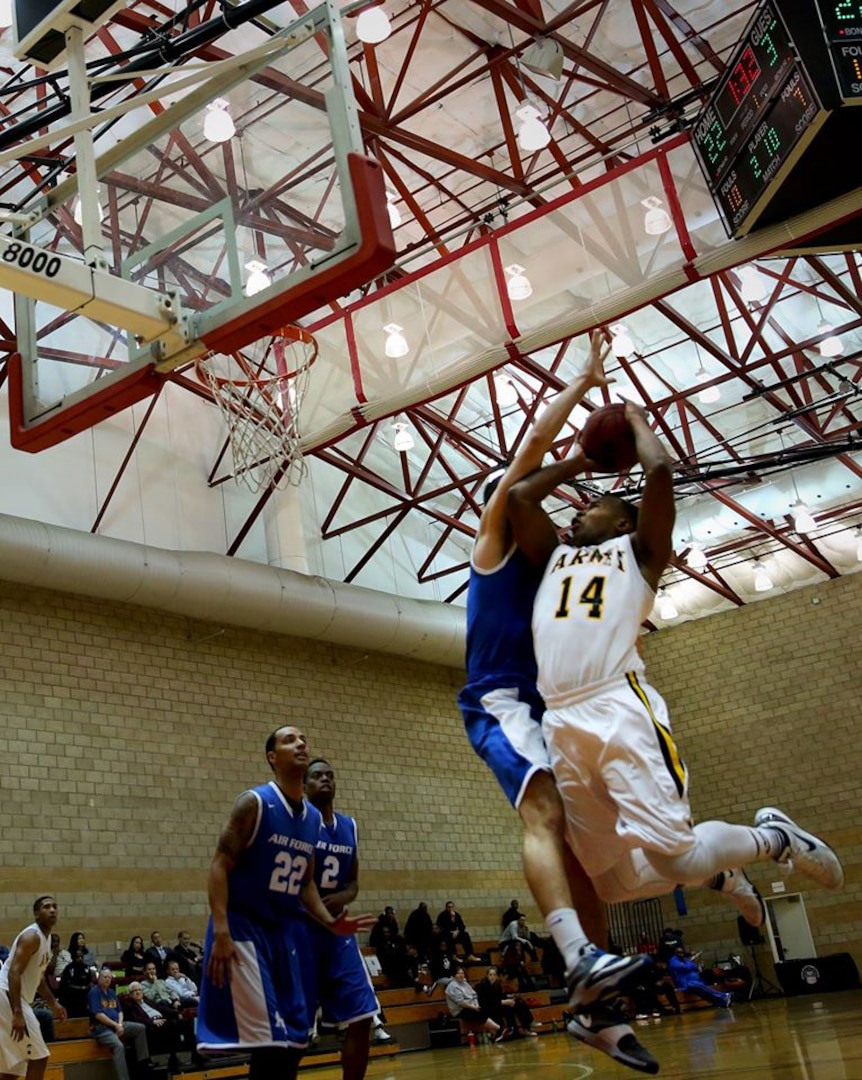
[[803, 522], [544, 56], [77, 209], [396, 342], [696, 557], [373, 25], [831, 345], [402, 440], [666, 607], [762, 580], [394, 216], [518, 286], [753, 287], [218, 122], [709, 394], [504, 390], [258, 278], [621, 344], [656, 219], [858, 537], [533, 133]]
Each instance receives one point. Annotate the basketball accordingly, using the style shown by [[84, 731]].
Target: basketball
[[608, 439]]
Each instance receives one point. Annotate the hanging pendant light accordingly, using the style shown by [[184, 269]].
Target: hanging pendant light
[[533, 134], [373, 25], [518, 286], [396, 343], [218, 122]]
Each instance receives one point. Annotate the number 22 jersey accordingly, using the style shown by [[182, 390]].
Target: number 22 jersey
[[587, 618]]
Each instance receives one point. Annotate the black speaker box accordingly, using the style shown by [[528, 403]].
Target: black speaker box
[[818, 975]]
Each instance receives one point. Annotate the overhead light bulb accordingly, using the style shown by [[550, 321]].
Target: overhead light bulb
[[533, 134], [621, 343], [762, 580], [505, 391], [696, 557], [545, 57], [373, 25], [518, 286], [753, 287], [218, 122], [803, 522], [258, 278], [830, 346], [77, 209], [396, 342], [402, 440], [666, 606], [394, 215], [709, 394], [656, 219]]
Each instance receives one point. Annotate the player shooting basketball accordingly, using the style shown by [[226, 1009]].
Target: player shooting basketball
[[623, 783], [502, 713]]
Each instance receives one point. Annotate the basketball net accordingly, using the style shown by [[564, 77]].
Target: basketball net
[[260, 392]]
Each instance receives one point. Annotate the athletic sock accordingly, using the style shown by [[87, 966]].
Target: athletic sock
[[565, 928], [771, 841]]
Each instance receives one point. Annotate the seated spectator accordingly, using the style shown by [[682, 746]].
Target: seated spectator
[[452, 926], [76, 982], [519, 930], [670, 939], [164, 1034], [419, 932], [442, 965], [157, 992], [109, 1028], [463, 1003], [508, 1010], [646, 946], [77, 942], [685, 972], [51, 976], [181, 985], [645, 995], [189, 955], [158, 953], [514, 964], [396, 963], [511, 914], [133, 959], [377, 931], [553, 964]]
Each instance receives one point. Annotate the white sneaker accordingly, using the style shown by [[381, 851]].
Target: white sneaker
[[599, 975], [378, 1035], [808, 853], [734, 884], [604, 1031]]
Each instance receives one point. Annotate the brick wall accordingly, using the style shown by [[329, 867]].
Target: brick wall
[[127, 733]]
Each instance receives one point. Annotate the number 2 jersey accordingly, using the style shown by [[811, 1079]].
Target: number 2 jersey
[[587, 618]]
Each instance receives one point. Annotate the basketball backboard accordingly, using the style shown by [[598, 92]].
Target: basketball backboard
[[184, 216]]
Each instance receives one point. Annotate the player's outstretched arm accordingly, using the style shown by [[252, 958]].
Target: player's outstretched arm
[[492, 537], [657, 511], [535, 533], [233, 841]]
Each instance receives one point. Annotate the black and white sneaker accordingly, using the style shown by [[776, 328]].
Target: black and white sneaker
[[599, 975], [734, 884], [806, 852], [602, 1029]]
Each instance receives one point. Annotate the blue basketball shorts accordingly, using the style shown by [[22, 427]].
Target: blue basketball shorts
[[266, 1003], [504, 726], [339, 981]]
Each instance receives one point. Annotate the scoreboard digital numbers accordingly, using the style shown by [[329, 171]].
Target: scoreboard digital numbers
[[842, 24], [762, 111]]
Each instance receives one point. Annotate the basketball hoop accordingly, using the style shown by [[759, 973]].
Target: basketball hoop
[[260, 391]]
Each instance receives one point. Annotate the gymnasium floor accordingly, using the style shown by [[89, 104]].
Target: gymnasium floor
[[803, 1038]]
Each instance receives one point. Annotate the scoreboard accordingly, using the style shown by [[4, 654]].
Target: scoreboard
[[842, 24], [760, 117]]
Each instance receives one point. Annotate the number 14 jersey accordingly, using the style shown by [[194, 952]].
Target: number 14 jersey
[[587, 618]]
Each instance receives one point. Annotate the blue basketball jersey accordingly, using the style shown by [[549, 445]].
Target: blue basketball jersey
[[267, 879], [499, 612], [335, 855]]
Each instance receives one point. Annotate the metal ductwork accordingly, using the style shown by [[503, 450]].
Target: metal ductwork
[[219, 589]]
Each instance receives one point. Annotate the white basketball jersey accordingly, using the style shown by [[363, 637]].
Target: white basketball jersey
[[35, 969], [587, 617]]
